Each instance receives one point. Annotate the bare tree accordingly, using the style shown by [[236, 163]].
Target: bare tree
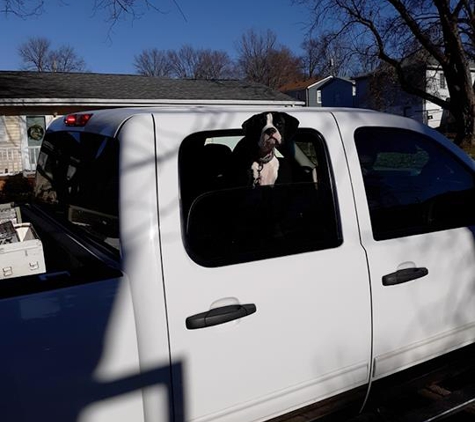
[[153, 62], [400, 31], [36, 55], [284, 67], [21, 8], [214, 64], [382, 88], [184, 62], [311, 60], [121, 9], [65, 59], [327, 54], [191, 63], [254, 50], [261, 59], [115, 10]]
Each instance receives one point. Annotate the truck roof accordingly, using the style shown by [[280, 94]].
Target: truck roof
[[108, 121]]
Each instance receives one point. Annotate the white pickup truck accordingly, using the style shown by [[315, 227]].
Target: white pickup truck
[[168, 297]]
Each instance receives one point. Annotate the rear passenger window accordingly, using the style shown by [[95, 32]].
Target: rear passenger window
[[413, 185], [77, 180], [226, 224]]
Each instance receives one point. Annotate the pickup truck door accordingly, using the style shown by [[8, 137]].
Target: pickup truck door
[[304, 328], [415, 199]]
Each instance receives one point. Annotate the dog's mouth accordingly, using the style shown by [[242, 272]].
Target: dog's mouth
[[270, 140]]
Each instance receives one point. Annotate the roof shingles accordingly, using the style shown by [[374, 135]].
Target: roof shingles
[[34, 85]]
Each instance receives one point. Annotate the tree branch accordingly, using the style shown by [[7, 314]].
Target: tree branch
[[412, 24]]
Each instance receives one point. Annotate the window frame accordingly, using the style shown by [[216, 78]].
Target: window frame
[[328, 181], [421, 230], [442, 82], [64, 211]]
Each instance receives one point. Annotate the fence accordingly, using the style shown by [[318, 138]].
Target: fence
[[11, 160]]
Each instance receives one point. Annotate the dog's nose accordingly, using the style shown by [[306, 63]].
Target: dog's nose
[[270, 131]]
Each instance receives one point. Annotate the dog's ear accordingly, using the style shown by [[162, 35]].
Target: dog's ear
[[291, 126], [251, 125]]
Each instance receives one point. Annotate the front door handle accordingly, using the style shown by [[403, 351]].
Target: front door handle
[[403, 276], [219, 316]]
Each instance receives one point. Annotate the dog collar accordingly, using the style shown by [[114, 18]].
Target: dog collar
[[266, 158]]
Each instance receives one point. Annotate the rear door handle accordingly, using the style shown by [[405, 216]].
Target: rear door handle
[[218, 316], [403, 276]]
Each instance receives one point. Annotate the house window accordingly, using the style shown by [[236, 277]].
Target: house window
[[442, 84], [319, 97]]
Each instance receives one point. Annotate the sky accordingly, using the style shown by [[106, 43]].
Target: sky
[[213, 24]]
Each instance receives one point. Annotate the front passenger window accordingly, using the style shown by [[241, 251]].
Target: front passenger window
[[413, 185]]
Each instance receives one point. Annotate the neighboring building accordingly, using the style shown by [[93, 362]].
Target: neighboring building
[[385, 94], [30, 100], [331, 91]]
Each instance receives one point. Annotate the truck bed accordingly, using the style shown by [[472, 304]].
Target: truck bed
[[69, 259]]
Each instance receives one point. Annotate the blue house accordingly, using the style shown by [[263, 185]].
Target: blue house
[[331, 91]]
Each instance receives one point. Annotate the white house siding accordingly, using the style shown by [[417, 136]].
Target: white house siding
[[404, 104], [436, 85], [11, 133]]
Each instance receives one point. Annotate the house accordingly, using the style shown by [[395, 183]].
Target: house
[[381, 91], [29, 101], [331, 91]]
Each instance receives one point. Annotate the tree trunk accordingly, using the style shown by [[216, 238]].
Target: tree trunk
[[465, 126], [458, 76], [462, 107]]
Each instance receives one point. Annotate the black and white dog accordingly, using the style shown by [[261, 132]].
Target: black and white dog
[[253, 161]]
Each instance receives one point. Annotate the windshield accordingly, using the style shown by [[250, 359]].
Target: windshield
[[77, 179]]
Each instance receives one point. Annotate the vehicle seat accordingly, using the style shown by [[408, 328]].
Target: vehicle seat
[[214, 162]]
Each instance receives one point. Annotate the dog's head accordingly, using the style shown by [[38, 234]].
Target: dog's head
[[270, 130]]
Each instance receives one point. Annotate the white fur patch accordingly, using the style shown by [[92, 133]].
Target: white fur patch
[[268, 173], [268, 141]]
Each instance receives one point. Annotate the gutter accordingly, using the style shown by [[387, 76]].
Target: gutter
[[22, 102]]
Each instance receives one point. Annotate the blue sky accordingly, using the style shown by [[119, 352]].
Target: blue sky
[[214, 24]]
